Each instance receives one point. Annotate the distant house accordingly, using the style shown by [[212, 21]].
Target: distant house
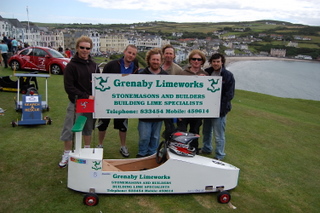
[[297, 37], [187, 40], [113, 43], [229, 37], [177, 34], [53, 39], [228, 44], [229, 52], [307, 57], [244, 47], [306, 39], [264, 53], [278, 52], [292, 44], [95, 37], [239, 29], [276, 36], [181, 54]]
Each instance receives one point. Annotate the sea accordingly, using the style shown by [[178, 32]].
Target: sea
[[287, 79]]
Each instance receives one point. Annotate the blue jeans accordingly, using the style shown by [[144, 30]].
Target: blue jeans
[[216, 126], [149, 137]]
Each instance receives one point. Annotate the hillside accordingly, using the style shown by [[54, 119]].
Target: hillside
[[261, 35], [199, 27]]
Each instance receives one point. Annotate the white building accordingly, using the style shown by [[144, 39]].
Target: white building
[[113, 43], [95, 36], [278, 52], [24, 33], [229, 52], [52, 39], [149, 42]]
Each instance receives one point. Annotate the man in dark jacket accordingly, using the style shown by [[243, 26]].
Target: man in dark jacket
[[126, 65], [218, 125], [78, 84]]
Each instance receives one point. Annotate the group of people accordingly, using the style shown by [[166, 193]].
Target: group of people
[[67, 53], [12, 43], [8, 47], [78, 83]]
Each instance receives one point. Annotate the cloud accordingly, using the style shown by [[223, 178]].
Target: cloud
[[296, 11]]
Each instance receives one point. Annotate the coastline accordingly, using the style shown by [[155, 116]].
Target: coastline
[[231, 59]]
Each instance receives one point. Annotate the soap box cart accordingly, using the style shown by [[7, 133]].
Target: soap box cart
[[31, 104], [163, 173]]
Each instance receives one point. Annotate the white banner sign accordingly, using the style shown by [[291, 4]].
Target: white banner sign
[[156, 96]]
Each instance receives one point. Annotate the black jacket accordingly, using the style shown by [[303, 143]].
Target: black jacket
[[115, 67], [78, 77], [227, 93], [147, 71]]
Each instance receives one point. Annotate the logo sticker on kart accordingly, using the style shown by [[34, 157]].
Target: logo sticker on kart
[[80, 161], [96, 165]]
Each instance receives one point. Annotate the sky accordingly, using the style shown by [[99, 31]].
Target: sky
[[305, 12]]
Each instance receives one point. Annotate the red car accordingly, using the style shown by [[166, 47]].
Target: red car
[[39, 58]]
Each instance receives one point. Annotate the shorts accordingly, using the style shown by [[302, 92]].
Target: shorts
[[67, 134], [118, 123]]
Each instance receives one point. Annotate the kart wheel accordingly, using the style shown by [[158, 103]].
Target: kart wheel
[[49, 121], [91, 199], [161, 155], [13, 124], [55, 69], [224, 197], [15, 65]]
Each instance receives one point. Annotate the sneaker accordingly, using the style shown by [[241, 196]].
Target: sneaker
[[100, 146], [124, 151], [64, 161]]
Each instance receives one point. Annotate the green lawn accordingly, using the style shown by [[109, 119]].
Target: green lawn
[[274, 141]]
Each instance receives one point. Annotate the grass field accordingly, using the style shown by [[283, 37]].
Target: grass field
[[274, 141]]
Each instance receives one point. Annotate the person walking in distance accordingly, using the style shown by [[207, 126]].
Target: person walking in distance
[[4, 53]]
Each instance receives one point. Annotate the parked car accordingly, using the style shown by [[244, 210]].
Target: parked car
[[39, 58]]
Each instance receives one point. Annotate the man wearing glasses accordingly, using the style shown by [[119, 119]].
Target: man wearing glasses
[[196, 61], [78, 85]]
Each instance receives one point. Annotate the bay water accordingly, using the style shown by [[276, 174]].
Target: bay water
[[287, 79]]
